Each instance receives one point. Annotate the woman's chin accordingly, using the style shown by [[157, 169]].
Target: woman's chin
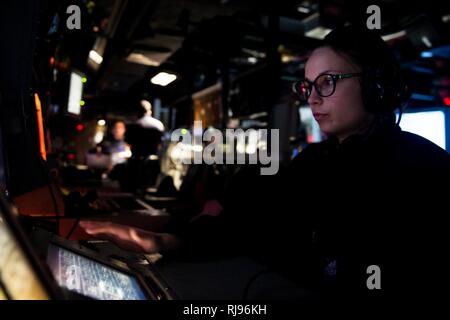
[[327, 130]]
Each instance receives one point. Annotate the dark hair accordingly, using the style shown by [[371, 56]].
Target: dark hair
[[113, 125], [116, 121], [383, 87], [141, 111]]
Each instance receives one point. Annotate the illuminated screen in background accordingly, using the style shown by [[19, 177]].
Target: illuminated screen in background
[[91, 278], [428, 124], [313, 133], [207, 105], [18, 279], [75, 93]]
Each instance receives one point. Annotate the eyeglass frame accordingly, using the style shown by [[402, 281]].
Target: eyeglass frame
[[335, 77]]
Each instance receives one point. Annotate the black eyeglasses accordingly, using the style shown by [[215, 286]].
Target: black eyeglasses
[[325, 84]]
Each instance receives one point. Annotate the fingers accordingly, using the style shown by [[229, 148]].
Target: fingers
[[147, 241], [124, 236], [97, 227], [103, 229]]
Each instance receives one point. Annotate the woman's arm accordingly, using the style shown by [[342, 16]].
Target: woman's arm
[[131, 238]]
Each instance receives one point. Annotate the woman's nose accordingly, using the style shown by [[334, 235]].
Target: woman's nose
[[314, 97]]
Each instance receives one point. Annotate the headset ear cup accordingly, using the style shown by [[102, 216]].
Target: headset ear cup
[[380, 91], [404, 93], [397, 90], [384, 90], [373, 90], [365, 88], [396, 94]]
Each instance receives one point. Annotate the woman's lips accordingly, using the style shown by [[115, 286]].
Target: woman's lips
[[320, 116]]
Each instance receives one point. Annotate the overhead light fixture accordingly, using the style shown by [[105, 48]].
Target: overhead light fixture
[[163, 78], [426, 54], [257, 115], [252, 60], [424, 70], [94, 56], [313, 27], [423, 97], [446, 18], [394, 35], [318, 32], [426, 41], [302, 9], [139, 58], [254, 53]]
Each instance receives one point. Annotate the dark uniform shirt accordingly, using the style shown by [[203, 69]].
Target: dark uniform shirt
[[377, 199]]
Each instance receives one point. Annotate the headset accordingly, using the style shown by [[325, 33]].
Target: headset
[[383, 88]]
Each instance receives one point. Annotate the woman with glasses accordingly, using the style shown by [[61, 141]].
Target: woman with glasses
[[372, 202], [356, 215]]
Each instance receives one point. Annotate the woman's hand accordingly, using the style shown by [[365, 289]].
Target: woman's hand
[[131, 238]]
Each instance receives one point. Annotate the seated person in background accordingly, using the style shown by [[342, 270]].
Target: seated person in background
[[146, 119], [98, 159], [116, 146], [143, 167], [369, 195]]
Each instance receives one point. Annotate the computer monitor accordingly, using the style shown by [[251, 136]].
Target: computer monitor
[[313, 133], [21, 275], [92, 278], [143, 141], [75, 93], [98, 161], [428, 123]]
